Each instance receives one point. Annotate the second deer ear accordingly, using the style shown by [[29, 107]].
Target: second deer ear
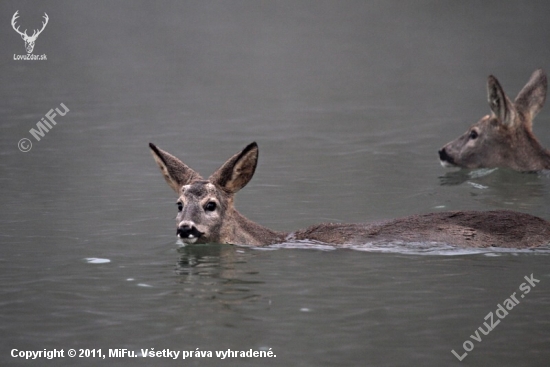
[[499, 102], [237, 171], [175, 172], [531, 98]]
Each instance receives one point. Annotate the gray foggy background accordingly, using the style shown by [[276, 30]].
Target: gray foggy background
[[349, 102]]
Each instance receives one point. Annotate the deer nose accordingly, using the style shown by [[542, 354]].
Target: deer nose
[[189, 232], [443, 156]]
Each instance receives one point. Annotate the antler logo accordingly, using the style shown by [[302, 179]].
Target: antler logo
[[29, 40]]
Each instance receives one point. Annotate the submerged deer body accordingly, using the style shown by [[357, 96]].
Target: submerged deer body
[[505, 138], [206, 214]]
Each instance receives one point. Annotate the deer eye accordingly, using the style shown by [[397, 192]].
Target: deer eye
[[210, 206], [180, 206], [473, 135]]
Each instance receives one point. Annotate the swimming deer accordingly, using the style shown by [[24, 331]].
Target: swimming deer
[[505, 137], [206, 214]]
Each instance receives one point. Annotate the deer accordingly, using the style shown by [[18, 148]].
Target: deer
[[29, 40], [503, 139], [206, 214]]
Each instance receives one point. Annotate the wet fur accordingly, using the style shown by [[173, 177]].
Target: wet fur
[[465, 229]]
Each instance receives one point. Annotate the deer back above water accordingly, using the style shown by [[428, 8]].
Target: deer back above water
[[505, 137], [206, 214]]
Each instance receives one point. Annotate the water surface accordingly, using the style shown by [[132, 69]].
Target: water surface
[[349, 103]]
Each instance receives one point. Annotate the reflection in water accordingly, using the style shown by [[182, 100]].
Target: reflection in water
[[502, 188], [218, 272], [201, 260]]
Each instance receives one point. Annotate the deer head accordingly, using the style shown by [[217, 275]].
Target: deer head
[[505, 137], [29, 40], [205, 207]]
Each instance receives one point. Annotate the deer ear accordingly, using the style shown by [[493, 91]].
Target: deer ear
[[499, 102], [175, 172], [531, 98], [237, 171]]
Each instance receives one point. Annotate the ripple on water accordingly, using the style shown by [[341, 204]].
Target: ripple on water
[[96, 260], [403, 247]]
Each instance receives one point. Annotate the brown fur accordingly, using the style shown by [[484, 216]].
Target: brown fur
[[226, 225], [505, 138], [466, 229]]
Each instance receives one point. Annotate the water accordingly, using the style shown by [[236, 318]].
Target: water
[[349, 103]]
